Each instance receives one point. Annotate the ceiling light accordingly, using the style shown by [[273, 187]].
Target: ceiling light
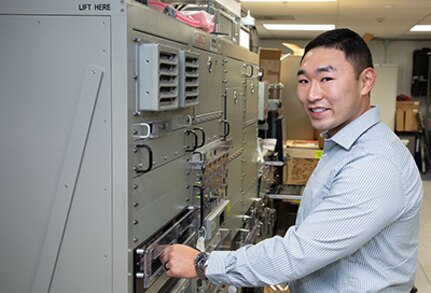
[[299, 27], [421, 28], [296, 50], [288, 1]]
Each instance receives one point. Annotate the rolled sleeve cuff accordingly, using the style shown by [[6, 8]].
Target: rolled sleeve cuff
[[216, 269]]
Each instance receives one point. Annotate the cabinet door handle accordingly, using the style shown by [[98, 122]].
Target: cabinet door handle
[[150, 158], [249, 73], [195, 141], [226, 128], [203, 136], [146, 126], [199, 155]]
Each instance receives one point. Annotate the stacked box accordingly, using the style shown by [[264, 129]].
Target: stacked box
[[269, 61], [300, 164], [407, 116]]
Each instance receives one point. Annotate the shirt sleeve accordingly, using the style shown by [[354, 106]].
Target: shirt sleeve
[[365, 197]]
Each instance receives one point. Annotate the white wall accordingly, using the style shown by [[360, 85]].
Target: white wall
[[384, 52]]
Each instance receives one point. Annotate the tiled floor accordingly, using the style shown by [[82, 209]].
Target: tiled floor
[[423, 274]]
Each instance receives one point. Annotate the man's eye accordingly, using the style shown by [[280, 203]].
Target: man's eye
[[327, 79], [302, 81]]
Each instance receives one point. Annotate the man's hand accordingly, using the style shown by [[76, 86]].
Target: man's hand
[[178, 261]]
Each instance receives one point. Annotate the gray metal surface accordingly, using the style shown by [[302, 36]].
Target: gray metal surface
[[234, 178], [252, 99], [165, 192], [165, 149], [73, 7], [53, 134], [211, 93], [235, 115], [249, 162], [72, 206], [213, 130], [235, 73]]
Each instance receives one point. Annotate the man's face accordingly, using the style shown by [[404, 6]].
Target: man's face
[[329, 91]]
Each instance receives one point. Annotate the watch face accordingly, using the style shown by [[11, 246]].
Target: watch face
[[200, 263], [202, 260]]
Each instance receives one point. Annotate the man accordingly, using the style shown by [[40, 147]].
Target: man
[[357, 224]]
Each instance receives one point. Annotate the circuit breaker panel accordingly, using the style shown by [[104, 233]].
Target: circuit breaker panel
[[116, 143]]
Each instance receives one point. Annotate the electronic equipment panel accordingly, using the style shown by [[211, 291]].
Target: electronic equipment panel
[[141, 136]]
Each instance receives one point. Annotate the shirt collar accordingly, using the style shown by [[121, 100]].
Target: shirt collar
[[347, 136]]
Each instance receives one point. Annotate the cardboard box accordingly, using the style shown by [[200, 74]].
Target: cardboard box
[[269, 61], [300, 163], [304, 153], [411, 120], [275, 290], [302, 143], [406, 118], [399, 120], [299, 170], [408, 105]]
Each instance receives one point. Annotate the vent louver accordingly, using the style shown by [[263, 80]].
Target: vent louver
[[189, 79], [158, 77]]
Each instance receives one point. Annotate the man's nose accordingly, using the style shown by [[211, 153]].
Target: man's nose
[[314, 92]]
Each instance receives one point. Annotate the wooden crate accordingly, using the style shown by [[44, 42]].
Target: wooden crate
[[299, 170], [300, 164]]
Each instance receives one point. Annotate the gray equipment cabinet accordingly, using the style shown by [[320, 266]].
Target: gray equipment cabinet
[[122, 130]]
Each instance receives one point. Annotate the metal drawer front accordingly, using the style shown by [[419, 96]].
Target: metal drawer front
[[210, 76], [181, 229], [162, 149]]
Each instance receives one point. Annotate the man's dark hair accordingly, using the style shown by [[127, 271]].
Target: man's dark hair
[[354, 47]]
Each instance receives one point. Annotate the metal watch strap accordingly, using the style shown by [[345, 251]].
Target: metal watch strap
[[200, 262]]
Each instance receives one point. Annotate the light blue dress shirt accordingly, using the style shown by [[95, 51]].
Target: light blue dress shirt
[[357, 225]]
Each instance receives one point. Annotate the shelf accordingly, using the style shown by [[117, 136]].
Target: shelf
[[284, 196], [274, 163]]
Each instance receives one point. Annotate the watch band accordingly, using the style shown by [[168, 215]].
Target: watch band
[[201, 262]]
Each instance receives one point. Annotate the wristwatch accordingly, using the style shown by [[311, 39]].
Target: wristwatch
[[201, 262]]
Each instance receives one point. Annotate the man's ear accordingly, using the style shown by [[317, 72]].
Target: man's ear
[[368, 77]]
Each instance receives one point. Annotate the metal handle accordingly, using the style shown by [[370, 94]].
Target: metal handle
[[189, 120], [203, 136], [195, 146], [150, 159], [202, 204], [210, 64], [144, 125], [226, 128], [249, 74], [201, 156]]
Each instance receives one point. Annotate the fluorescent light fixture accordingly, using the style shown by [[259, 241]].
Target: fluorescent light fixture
[[296, 50], [288, 1], [299, 27], [421, 28]]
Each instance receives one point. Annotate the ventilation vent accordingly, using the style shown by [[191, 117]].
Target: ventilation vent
[[158, 77], [189, 79]]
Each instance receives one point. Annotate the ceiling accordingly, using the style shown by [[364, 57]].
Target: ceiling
[[384, 19]]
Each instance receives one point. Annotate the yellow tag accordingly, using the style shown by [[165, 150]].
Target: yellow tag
[[318, 154], [227, 210]]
